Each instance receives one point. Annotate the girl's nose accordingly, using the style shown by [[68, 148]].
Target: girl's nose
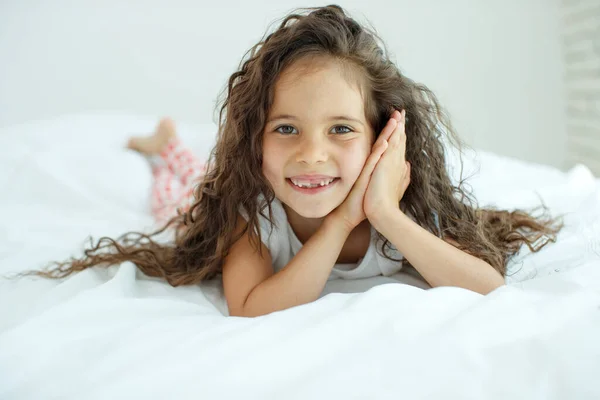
[[312, 151]]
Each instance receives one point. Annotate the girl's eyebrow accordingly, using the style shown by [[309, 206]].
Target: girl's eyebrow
[[332, 118]]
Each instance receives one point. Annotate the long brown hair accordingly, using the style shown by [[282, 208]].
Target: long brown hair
[[204, 234]]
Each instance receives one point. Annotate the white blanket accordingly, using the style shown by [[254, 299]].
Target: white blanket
[[117, 334]]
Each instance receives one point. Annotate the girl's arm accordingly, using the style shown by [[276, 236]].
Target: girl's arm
[[252, 289], [438, 261]]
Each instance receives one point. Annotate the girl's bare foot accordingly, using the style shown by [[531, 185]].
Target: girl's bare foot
[[154, 144]]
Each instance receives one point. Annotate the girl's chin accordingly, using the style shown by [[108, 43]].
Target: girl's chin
[[310, 212], [314, 215]]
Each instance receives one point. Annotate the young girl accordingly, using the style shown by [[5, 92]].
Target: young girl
[[329, 163]]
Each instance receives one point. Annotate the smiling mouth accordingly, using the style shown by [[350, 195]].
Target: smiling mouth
[[312, 188], [310, 185]]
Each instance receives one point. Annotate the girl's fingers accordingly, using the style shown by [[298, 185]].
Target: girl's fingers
[[369, 167], [386, 132], [399, 135], [396, 123], [406, 178], [374, 158]]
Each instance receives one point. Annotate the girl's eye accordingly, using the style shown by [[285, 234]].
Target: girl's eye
[[341, 129], [286, 129]]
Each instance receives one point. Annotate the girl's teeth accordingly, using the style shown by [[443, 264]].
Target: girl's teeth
[[312, 185]]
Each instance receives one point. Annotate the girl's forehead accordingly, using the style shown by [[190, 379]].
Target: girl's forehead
[[319, 64], [318, 86]]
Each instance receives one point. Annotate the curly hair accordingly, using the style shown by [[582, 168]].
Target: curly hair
[[234, 182]]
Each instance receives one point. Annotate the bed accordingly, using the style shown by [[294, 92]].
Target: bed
[[115, 333]]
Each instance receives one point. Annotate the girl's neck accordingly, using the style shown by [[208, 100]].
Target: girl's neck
[[304, 228]]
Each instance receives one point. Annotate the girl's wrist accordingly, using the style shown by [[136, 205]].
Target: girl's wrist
[[339, 222], [382, 217]]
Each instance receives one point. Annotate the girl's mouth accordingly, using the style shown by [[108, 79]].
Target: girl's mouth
[[312, 188]]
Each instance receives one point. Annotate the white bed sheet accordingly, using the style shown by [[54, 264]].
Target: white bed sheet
[[114, 333]]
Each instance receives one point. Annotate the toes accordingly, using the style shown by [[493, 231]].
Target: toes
[[166, 127], [138, 144], [131, 144], [166, 124]]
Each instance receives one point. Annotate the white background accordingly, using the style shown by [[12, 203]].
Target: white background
[[495, 64]]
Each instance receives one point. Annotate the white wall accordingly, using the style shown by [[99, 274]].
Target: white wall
[[495, 64], [581, 43]]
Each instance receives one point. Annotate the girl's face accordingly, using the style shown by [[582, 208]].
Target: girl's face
[[316, 135]]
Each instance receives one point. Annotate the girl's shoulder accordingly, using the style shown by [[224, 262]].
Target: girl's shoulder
[[277, 219], [271, 225], [278, 213]]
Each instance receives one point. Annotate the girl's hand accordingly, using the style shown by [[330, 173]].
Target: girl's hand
[[391, 176], [351, 212]]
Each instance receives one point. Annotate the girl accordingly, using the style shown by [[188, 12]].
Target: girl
[[329, 163]]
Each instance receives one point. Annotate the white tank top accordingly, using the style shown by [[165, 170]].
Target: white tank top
[[283, 245]]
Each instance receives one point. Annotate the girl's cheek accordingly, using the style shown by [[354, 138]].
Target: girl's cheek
[[268, 170], [273, 163], [354, 159]]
